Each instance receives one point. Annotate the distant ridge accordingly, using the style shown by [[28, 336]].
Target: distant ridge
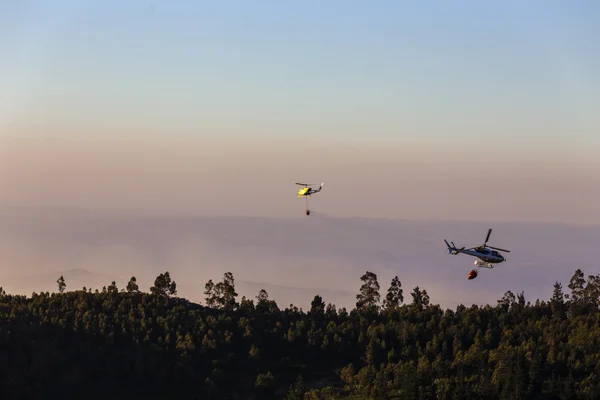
[[298, 256]]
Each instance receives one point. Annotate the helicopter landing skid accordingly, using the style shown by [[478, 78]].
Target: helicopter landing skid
[[481, 264]]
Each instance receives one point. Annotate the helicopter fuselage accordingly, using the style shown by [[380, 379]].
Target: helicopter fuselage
[[306, 192], [487, 255]]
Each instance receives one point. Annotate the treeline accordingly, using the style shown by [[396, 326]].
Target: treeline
[[123, 343]]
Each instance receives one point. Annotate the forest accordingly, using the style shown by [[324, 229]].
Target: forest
[[125, 343]]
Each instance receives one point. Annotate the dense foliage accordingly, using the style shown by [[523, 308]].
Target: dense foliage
[[128, 344]]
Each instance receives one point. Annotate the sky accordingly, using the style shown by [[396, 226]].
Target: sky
[[445, 110]]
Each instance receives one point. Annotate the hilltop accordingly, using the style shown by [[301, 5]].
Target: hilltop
[[395, 343]]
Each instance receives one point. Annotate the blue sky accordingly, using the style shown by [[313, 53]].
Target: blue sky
[[441, 71], [391, 91]]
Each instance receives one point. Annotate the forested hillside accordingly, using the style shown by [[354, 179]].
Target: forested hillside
[[123, 343]]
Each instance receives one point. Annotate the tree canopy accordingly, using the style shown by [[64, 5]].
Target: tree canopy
[[132, 344]]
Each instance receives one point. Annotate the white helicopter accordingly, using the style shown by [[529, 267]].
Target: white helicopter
[[487, 255]]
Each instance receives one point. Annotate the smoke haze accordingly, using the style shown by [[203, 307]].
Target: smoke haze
[[293, 258]]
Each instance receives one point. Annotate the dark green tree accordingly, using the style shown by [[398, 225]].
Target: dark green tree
[[420, 298], [132, 286], [297, 390], [557, 302], [592, 291], [262, 296], [225, 294], [577, 286], [507, 301], [112, 288], [263, 303], [61, 284], [212, 297], [577, 296], [394, 296], [254, 352], [368, 297], [265, 385], [246, 305], [164, 286], [97, 343], [317, 305]]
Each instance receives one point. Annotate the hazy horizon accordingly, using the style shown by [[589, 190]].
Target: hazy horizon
[[165, 176], [427, 116], [292, 258]]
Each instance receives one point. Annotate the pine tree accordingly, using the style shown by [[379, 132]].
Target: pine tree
[[164, 286], [557, 302], [132, 286], [394, 296], [225, 294], [368, 298], [209, 292], [577, 296], [592, 291], [577, 286], [112, 288], [420, 298], [265, 385], [61, 284], [317, 305], [263, 304], [263, 296], [507, 301], [297, 390]]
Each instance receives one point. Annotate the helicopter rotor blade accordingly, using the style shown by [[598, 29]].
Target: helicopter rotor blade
[[496, 248], [488, 236]]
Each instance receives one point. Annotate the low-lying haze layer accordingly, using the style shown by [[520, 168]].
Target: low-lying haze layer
[[293, 259]]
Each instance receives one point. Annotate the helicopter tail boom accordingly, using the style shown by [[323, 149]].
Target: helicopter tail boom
[[452, 249]]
